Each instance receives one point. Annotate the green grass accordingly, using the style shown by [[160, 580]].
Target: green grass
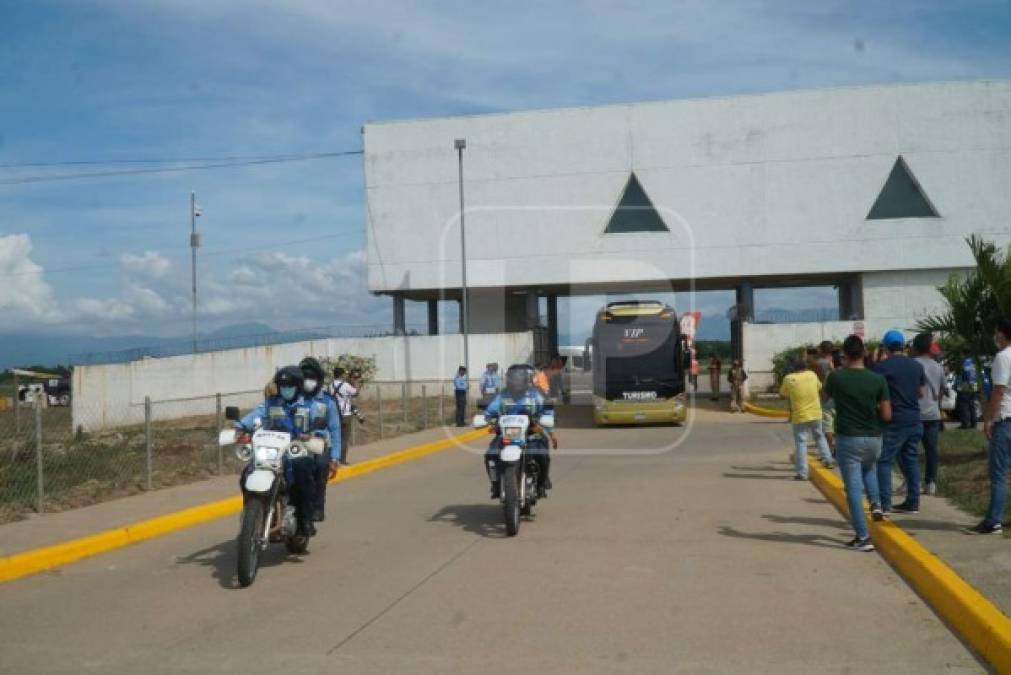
[[962, 476]]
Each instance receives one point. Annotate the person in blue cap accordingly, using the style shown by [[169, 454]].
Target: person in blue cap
[[907, 384]]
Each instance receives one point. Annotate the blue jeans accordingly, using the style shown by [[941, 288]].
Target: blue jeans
[[800, 432], [1000, 462], [902, 441], [857, 457]]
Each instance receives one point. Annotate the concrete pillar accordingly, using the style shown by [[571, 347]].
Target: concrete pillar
[[745, 311], [553, 324], [433, 317], [532, 310], [851, 299], [745, 300], [399, 315]]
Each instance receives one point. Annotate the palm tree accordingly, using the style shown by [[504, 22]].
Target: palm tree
[[975, 301]]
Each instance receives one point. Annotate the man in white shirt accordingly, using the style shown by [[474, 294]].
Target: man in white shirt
[[997, 427], [930, 407], [342, 392]]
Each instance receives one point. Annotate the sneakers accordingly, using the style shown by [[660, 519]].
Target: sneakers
[[931, 489], [828, 464], [541, 492], [906, 507], [799, 477], [876, 513], [985, 528], [861, 544], [318, 516]]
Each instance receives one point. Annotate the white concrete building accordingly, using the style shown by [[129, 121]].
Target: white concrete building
[[870, 189]]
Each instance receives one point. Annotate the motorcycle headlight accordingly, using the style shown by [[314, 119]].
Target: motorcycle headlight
[[267, 454], [512, 433]]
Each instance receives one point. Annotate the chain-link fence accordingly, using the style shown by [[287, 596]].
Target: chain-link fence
[[47, 463]]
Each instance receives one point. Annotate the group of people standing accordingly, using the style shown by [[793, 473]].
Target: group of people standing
[[867, 414], [737, 376], [546, 379]]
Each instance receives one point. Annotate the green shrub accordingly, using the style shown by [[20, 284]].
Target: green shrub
[[366, 365], [781, 359]]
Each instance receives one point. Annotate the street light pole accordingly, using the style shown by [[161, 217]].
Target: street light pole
[[194, 245], [460, 144]]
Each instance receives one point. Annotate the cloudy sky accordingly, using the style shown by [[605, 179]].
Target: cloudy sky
[[178, 79]]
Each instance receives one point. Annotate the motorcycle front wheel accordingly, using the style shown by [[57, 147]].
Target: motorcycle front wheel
[[511, 500], [249, 540]]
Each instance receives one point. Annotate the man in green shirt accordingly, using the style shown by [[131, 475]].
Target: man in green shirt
[[861, 403]]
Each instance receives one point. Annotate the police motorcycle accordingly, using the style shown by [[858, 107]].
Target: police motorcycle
[[518, 437], [268, 516]]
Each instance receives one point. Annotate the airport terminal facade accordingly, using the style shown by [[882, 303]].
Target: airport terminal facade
[[872, 190]]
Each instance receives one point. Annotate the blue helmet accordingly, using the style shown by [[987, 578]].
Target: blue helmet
[[894, 339]]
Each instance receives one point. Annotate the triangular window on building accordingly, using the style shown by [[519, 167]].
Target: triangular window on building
[[635, 212], [902, 196]]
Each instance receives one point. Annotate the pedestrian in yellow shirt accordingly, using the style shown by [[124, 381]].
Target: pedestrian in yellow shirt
[[801, 388]]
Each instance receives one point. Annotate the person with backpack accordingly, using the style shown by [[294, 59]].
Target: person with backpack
[[737, 376]]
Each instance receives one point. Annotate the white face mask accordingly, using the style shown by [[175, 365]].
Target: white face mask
[[310, 385]]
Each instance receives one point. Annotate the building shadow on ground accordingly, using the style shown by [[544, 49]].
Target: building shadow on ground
[[222, 560], [762, 468], [485, 520], [914, 524], [836, 523], [785, 537]]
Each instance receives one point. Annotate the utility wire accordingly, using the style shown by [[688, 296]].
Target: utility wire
[[145, 160], [173, 169]]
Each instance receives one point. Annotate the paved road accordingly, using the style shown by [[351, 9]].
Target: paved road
[[704, 558]]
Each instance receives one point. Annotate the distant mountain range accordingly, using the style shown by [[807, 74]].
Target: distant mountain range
[[51, 349]]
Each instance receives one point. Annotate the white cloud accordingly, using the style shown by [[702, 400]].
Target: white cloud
[[149, 263], [100, 310], [24, 294]]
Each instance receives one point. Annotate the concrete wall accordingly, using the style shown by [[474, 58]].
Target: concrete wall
[[903, 298], [891, 300], [107, 396], [776, 184]]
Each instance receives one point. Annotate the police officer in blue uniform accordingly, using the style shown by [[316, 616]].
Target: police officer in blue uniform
[[322, 415], [519, 398], [288, 410]]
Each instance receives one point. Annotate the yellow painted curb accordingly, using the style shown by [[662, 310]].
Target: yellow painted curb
[[766, 412], [41, 559], [964, 608]]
